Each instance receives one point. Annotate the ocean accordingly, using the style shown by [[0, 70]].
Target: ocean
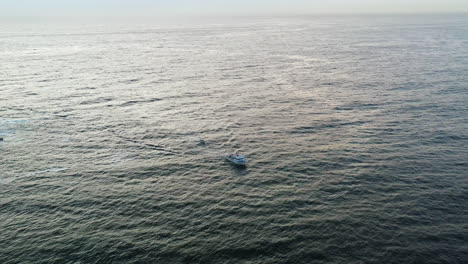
[[114, 131]]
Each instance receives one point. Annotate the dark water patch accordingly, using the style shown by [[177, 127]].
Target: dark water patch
[[358, 106], [133, 102], [162, 80], [97, 101], [321, 127], [442, 137], [86, 88], [129, 81], [145, 145]]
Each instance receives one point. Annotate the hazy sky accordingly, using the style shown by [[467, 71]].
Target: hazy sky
[[176, 7]]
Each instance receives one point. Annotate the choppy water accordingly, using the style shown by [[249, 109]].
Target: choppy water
[[355, 128]]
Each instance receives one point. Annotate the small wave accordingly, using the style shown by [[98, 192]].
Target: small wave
[[49, 170], [6, 180], [17, 121]]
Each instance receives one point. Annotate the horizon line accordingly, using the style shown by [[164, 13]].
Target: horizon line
[[244, 14]]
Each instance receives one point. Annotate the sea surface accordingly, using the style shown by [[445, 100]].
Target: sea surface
[[114, 132]]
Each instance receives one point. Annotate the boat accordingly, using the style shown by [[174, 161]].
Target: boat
[[236, 159]]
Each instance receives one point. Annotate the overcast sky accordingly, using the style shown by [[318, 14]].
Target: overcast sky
[[194, 7]]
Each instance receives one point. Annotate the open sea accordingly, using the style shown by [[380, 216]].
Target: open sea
[[355, 128]]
